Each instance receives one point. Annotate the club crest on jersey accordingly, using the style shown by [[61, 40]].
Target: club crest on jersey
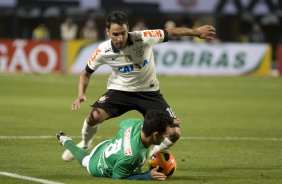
[[102, 99], [139, 52]]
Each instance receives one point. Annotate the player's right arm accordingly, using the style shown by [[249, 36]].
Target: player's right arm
[[93, 63], [82, 86]]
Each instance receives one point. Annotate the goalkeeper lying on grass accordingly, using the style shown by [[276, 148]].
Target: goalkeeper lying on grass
[[123, 156]]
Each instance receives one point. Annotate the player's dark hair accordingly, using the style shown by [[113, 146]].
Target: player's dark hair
[[156, 121], [116, 17]]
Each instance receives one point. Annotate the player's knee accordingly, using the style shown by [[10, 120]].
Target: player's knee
[[96, 116], [91, 120], [174, 134]]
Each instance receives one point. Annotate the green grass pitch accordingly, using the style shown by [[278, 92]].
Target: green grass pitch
[[231, 128]]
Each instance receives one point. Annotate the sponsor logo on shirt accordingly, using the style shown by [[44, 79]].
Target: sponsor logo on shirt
[[132, 68], [126, 142], [108, 50], [138, 40], [114, 58], [93, 57], [127, 58], [152, 33]]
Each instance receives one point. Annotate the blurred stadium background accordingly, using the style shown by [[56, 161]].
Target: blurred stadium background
[[243, 24], [227, 91]]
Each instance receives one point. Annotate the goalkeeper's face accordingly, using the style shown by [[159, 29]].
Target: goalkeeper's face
[[159, 138], [119, 35]]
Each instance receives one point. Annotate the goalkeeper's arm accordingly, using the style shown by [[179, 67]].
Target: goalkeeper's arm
[[151, 175]]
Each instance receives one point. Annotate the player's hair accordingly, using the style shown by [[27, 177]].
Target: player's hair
[[156, 121], [116, 17]]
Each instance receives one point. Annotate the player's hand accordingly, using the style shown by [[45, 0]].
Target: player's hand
[[76, 104], [157, 175], [206, 32]]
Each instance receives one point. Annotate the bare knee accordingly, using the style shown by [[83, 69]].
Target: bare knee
[[97, 116], [174, 134]]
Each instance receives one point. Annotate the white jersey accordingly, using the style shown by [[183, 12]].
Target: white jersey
[[134, 66]]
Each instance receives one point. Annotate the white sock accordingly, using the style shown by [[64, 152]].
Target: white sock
[[85, 161], [87, 133], [166, 144]]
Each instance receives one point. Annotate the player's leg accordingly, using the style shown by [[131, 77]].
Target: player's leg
[[89, 129], [111, 104], [174, 132], [173, 136], [90, 125], [155, 101], [78, 153]]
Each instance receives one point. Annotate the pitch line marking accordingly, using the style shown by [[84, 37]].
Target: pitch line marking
[[38, 180], [273, 139], [33, 137]]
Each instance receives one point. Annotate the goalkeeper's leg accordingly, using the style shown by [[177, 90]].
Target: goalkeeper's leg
[[87, 133], [78, 153], [89, 129]]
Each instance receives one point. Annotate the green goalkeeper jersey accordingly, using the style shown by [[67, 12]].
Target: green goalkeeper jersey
[[122, 156]]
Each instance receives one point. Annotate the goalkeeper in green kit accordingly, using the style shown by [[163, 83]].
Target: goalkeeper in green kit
[[123, 156]]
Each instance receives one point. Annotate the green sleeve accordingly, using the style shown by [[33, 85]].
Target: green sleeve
[[124, 168], [141, 176]]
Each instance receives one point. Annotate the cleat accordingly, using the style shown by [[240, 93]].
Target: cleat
[[67, 155], [62, 137]]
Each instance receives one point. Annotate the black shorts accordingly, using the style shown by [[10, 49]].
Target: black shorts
[[118, 102]]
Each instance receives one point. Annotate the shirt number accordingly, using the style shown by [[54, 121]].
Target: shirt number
[[113, 148], [169, 110]]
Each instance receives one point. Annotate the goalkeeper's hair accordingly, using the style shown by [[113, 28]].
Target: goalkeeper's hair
[[156, 121], [116, 17]]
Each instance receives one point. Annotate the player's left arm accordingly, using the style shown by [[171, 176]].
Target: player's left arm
[[140, 176], [203, 32]]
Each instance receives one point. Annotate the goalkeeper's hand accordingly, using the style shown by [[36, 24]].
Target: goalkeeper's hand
[[157, 175]]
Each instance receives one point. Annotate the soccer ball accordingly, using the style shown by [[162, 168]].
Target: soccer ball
[[165, 161]]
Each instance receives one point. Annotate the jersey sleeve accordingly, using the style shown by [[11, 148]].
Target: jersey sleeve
[[141, 176], [155, 36], [126, 170], [95, 61]]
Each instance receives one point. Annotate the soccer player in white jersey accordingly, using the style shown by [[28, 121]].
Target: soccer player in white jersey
[[123, 156], [133, 84]]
